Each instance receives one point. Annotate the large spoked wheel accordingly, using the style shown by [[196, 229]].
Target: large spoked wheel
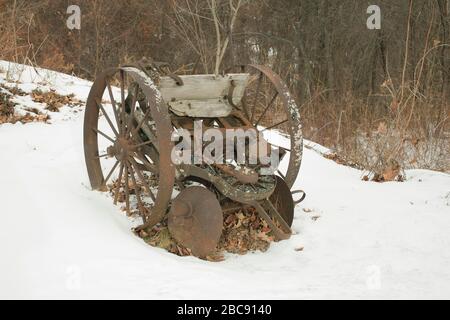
[[270, 108], [122, 158]]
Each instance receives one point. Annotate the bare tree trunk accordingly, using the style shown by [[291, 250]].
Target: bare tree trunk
[[222, 47], [406, 57], [328, 47], [445, 65]]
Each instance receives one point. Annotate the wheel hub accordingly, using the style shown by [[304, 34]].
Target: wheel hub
[[121, 149]]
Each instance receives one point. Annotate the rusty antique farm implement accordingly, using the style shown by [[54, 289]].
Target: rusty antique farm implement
[[130, 150]]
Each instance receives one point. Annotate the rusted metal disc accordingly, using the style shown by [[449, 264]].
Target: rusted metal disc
[[195, 220], [282, 200]]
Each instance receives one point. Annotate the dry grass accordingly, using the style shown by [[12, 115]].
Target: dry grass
[[376, 135]]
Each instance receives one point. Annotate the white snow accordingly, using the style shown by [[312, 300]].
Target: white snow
[[59, 239]]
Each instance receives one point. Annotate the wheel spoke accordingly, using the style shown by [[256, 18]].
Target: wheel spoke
[[119, 181], [127, 191], [275, 125], [133, 105], [147, 114], [99, 104], [122, 95], [110, 173], [141, 177], [267, 108], [114, 105], [101, 156], [104, 134], [151, 167], [138, 192], [256, 96], [143, 144], [279, 147], [244, 106]]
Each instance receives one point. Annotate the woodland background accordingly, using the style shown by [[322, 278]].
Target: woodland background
[[379, 98]]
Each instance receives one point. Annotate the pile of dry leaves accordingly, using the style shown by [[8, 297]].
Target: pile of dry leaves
[[7, 109], [53, 100], [390, 172], [243, 231], [16, 91]]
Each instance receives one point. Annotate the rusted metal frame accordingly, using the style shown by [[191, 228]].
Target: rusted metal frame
[[176, 78], [278, 232], [275, 214], [240, 116], [250, 178], [176, 123], [225, 123], [222, 186], [141, 66]]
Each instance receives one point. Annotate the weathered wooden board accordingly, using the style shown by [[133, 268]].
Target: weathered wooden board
[[201, 87], [210, 108]]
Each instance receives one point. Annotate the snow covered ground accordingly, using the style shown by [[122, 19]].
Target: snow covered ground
[[59, 239]]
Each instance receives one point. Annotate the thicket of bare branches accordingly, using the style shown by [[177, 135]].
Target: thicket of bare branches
[[375, 96]]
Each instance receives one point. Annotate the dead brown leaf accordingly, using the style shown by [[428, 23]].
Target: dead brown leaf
[[53, 100]]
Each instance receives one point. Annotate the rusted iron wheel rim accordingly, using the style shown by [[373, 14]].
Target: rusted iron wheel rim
[[124, 144], [268, 95], [282, 200]]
